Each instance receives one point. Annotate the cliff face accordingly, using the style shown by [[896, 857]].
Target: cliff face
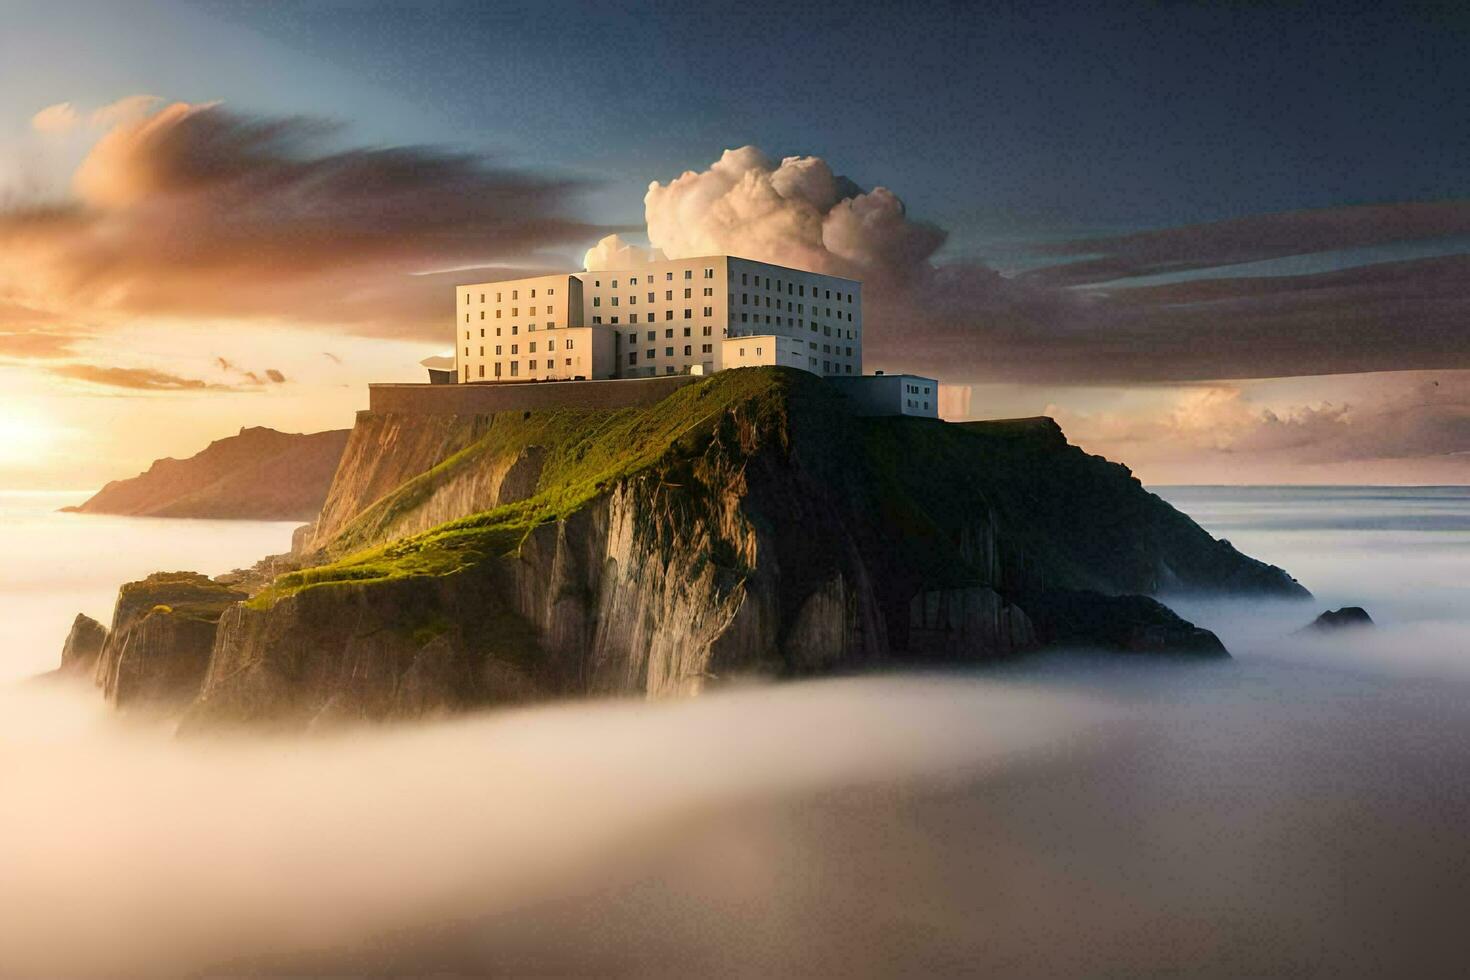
[[82, 647], [259, 474], [162, 636], [748, 525]]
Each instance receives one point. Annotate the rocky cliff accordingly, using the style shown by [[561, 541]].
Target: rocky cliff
[[747, 526], [259, 474], [162, 636]]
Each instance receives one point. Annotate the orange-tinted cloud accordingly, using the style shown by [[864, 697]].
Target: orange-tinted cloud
[[196, 210], [136, 379]]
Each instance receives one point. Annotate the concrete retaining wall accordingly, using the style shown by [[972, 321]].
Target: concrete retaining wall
[[484, 399]]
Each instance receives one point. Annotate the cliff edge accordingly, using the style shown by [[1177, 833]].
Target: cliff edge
[[749, 525]]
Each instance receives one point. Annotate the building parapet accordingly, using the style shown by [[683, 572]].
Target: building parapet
[[488, 398]]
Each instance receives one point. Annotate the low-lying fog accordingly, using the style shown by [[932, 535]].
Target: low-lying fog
[[1298, 809]]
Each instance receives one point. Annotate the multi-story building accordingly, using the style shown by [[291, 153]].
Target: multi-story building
[[681, 316]]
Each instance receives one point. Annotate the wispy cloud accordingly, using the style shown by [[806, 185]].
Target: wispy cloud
[[200, 211], [135, 379]]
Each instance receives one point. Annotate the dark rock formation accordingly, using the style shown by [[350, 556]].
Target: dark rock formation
[[82, 647], [748, 525], [259, 474], [161, 639], [1127, 623], [1348, 617]]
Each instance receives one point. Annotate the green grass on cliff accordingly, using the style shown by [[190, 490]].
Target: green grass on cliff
[[188, 595], [587, 452]]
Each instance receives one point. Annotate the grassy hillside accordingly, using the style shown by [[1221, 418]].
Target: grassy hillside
[[917, 487]]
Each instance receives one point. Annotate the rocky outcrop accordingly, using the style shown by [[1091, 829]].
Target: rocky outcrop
[[783, 538], [747, 526], [162, 637], [82, 647], [1127, 623], [1333, 620], [259, 474]]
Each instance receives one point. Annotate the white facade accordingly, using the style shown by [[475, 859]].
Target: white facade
[[670, 317], [756, 350], [892, 394], [528, 330]]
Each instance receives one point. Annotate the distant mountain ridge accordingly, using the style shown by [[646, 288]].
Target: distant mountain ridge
[[260, 474]]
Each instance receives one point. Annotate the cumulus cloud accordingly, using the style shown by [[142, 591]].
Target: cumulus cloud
[[197, 210], [612, 252], [796, 213], [963, 321]]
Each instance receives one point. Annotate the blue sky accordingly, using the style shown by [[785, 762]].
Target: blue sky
[[1001, 121]]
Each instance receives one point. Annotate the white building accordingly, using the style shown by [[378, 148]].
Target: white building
[[892, 394], [679, 316]]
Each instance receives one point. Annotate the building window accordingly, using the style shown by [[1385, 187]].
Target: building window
[[515, 368], [569, 343], [597, 301], [632, 357], [497, 369], [709, 311], [669, 334], [668, 352], [497, 350], [533, 364], [515, 348], [688, 313], [687, 293], [709, 273], [482, 370], [706, 348], [688, 273], [688, 349], [668, 277], [708, 291]]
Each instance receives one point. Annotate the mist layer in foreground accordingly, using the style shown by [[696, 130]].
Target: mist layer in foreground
[[1299, 809], [1074, 817]]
